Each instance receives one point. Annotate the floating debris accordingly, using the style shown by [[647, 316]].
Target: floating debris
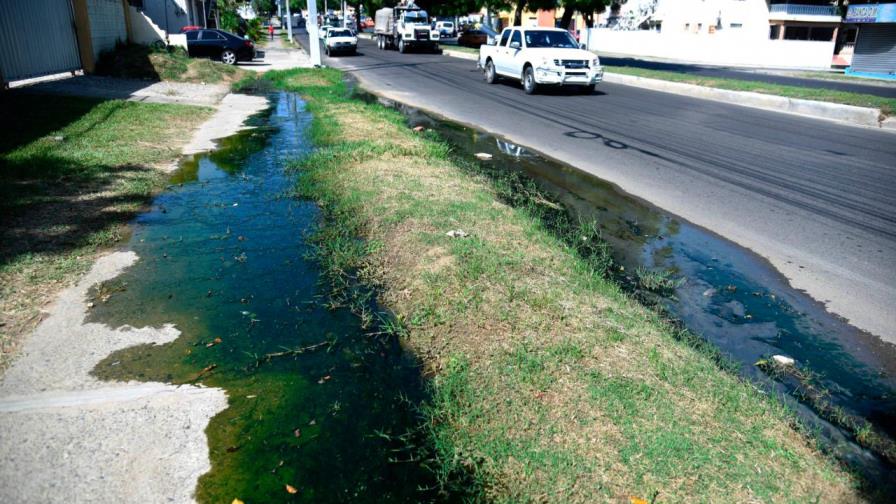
[[457, 233], [784, 360]]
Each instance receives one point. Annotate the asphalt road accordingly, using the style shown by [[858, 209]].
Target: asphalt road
[[817, 198], [886, 90]]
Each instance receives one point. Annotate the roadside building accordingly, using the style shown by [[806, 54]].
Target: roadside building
[[721, 32], [173, 15], [875, 46], [72, 37]]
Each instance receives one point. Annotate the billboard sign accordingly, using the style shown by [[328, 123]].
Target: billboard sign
[[871, 13]]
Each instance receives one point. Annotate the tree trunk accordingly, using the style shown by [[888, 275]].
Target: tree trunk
[[568, 13], [518, 13]]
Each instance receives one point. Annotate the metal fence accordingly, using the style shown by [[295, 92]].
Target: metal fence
[[804, 10]]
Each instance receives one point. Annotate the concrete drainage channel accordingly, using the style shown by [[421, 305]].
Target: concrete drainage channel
[[723, 293]]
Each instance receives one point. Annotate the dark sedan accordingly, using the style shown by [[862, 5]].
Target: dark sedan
[[219, 44], [472, 38]]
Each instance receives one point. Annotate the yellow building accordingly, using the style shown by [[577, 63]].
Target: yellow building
[[547, 18]]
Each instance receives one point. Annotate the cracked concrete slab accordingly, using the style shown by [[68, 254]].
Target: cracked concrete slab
[[66, 436]]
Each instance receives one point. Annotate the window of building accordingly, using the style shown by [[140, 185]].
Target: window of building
[[687, 27], [736, 25], [699, 27], [821, 33], [774, 32], [796, 33]]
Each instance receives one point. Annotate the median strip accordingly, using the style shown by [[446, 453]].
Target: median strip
[[548, 382]]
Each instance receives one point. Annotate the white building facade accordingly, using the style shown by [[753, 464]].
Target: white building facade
[[721, 32]]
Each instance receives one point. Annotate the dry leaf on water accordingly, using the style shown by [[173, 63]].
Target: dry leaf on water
[[291, 489], [237, 501], [637, 500]]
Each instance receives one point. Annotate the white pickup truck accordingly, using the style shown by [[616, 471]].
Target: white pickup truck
[[540, 57]]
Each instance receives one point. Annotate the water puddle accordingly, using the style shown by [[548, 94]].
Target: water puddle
[[316, 401], [731, 297]]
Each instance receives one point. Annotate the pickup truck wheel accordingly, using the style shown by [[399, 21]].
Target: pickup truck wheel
[[529, 84], [401, 46], [490, 75], [327, 50]]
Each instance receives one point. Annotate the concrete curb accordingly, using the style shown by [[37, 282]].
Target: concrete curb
[[459, 54], [860, 116], [820, 110]]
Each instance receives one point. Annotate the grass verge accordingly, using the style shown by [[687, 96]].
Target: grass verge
[[73, 173], [134, 61], [549, 383], [887, 106]]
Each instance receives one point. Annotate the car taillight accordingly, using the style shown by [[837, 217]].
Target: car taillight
[[247, 43]]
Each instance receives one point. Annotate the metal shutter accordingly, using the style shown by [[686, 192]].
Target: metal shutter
[[37, 37], [875, 49]]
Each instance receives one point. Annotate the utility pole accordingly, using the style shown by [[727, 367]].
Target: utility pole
[[288, 22], [344, 15], [313, 40]]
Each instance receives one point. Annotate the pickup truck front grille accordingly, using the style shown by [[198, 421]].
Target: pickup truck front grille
[[571, 63]]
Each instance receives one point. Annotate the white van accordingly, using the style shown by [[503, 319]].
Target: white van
[[446, 29]]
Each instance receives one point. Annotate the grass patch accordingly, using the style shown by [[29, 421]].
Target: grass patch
[[73, 173], [887, 106], [549, 383], [134, 61]]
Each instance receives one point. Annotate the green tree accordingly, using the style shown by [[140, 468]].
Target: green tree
[[586, 7], [264, 8]]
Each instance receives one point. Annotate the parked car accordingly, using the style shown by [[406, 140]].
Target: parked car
[[472, 38], [219, 44], [340, 40], [540, 57], [322, 31], [445, 28]]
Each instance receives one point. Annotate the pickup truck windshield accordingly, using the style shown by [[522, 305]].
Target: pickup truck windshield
[[545, 38], [339, 33], [416, 17]]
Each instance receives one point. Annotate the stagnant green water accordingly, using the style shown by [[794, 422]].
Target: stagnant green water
[[223, 256]]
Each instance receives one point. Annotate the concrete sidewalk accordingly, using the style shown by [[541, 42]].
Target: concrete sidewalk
[[95, 86], [279, 55], [65, 436]]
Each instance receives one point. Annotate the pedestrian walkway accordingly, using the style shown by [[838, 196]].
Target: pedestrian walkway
[[279, 55]]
